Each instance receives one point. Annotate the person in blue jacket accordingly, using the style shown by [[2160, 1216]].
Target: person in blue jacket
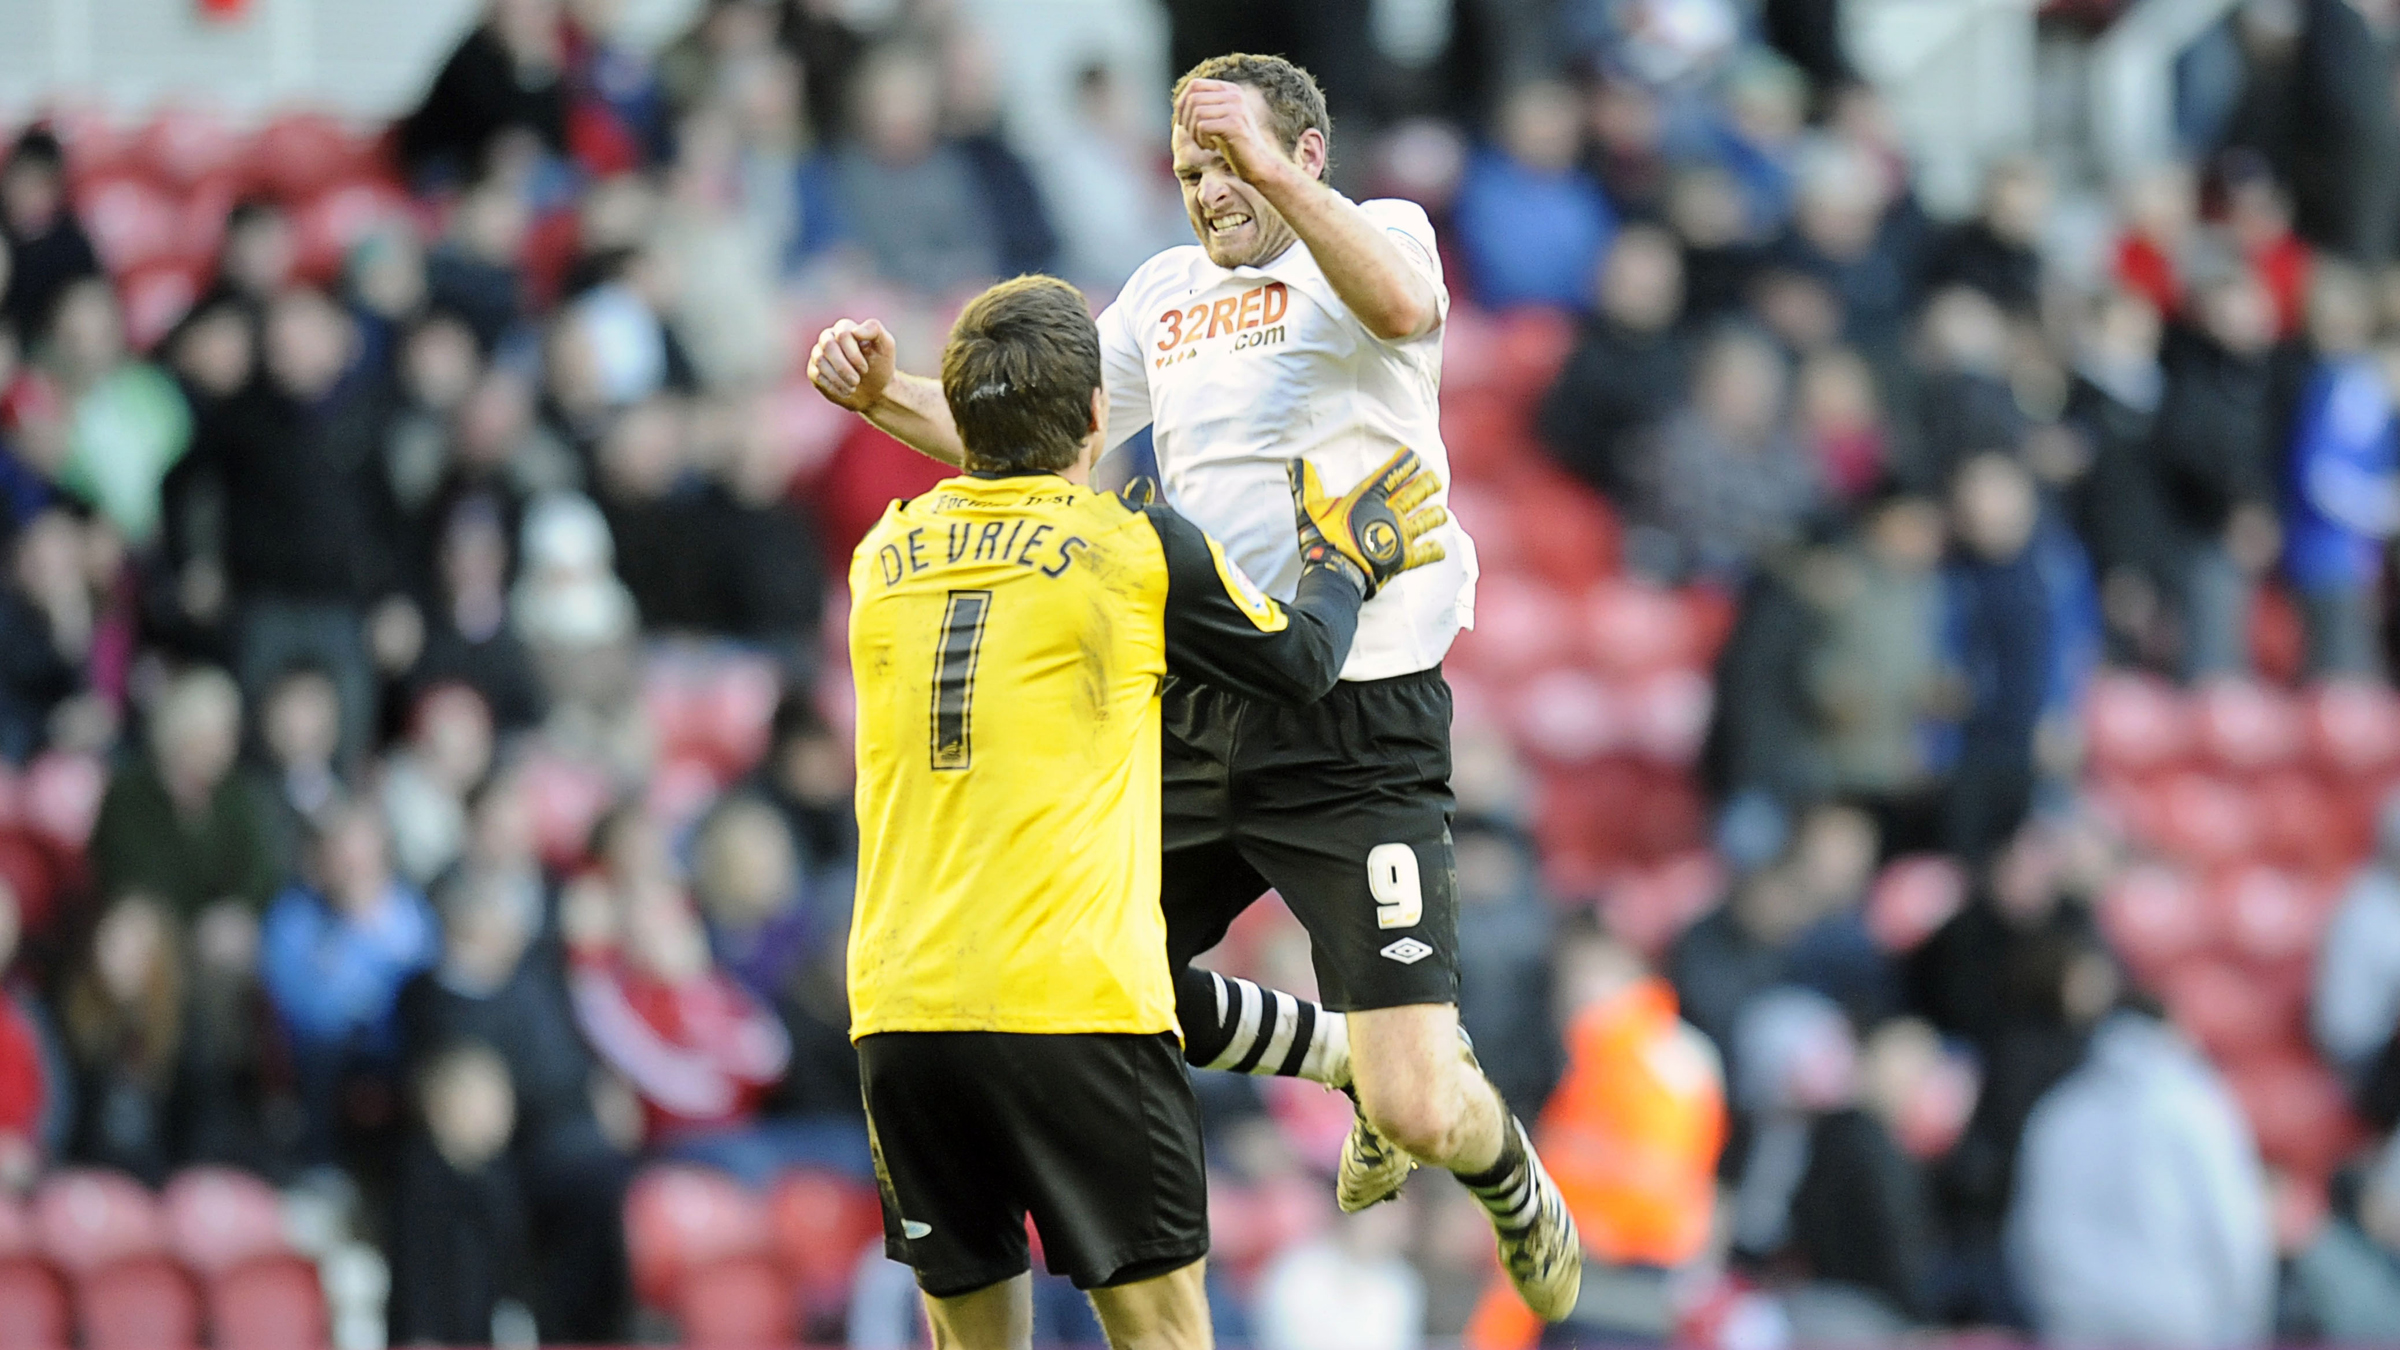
[[2341, 502], [333, 954]]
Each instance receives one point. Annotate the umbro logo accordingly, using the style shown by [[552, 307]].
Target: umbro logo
[[1407, 951]]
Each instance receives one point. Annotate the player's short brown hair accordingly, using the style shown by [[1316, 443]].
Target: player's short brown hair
[[1294, 102], [1018, 374]]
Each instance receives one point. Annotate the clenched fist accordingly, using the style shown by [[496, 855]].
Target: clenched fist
[[853, 363]]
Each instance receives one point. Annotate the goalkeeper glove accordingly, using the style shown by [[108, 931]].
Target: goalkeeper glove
[[1375, 531]]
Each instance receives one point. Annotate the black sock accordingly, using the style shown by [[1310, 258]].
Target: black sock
[[1234, 1024], [1507, 1188]]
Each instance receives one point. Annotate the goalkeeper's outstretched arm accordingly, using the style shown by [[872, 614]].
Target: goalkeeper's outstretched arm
[[853, 364]]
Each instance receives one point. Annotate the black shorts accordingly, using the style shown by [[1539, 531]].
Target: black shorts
[[1342, 806], [1096, 1136]]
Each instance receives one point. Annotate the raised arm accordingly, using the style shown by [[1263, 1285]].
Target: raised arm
[[855, 365], [1392, 296]]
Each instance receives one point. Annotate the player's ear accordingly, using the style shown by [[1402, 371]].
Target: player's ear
[[1095, 440], [1312, 154]]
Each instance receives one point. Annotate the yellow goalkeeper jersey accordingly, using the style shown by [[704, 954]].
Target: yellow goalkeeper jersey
[[1007, 639]]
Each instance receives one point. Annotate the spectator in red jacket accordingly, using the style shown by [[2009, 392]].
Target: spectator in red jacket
[[27, 1103], [2159, 211], [697, 1048]]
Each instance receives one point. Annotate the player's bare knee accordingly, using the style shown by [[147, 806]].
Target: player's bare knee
[[1427, 1117]]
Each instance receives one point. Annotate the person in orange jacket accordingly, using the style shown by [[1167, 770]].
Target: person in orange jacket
[[1632, 1133]]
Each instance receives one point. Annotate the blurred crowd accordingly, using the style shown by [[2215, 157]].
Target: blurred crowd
[[424, 713]]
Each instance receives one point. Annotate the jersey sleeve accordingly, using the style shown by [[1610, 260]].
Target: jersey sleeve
[[1123, 373], [1412, 231], [1223, 630]]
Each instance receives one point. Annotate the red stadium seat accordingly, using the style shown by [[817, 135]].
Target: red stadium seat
[[1470, 352], [34, 1313], [1474, 701], [2205, 820], [2155, 917], [1636, 629], [2302, 823], [2269, 917], [1532, 346], [269, 1303], [300, 153], [1487, 437], [1559, 529], [822, 1222], [1666, 715], [1482, 509], [737, 1303], [2357, 805], [2230, 1012], [2354, 727], [1668, 817], [97, 145], [1912, 897], [1521, 625], [207, 205], [86, 1218], [2136, 724], [155, 296], [679, 1218], [1584, 821], [218, 1218], [2247, 727], [186, 145], [132, 220], [1567, 716], [143, 1303], [1649, 909]]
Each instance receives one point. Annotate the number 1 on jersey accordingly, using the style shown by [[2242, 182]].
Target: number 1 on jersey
[[954, 678]]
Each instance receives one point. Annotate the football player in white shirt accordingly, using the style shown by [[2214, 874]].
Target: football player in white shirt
[[1303, 326]]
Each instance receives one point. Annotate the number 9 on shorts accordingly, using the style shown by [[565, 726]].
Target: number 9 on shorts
[[1392, 879]]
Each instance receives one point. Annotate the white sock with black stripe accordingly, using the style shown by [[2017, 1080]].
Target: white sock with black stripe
[[1237, 1025], [1511, 1188]]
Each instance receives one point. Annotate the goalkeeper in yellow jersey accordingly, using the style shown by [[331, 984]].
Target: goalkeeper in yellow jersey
[[1009, 988]]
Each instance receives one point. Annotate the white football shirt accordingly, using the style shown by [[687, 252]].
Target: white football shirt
[[1238, 371]]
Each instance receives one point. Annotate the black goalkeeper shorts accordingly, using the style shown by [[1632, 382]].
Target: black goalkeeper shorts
[[1342, 806], [1096, 1136]]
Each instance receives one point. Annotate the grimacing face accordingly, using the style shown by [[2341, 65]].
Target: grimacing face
[[1233, 222]]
